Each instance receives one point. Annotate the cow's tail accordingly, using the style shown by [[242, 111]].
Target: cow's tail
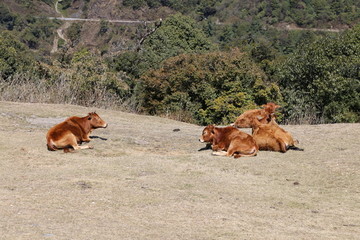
[[250, 154], [51, 146]]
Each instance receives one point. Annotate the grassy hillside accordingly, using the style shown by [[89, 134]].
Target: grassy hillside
[[301, 55], [143, 180]]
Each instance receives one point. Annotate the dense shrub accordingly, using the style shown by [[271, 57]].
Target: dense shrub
[[74, 32], [322, 80], [205, 88], [85, 81], [178, 34], [14, 56]]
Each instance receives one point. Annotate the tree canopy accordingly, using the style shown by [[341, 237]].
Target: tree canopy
[[206, 88], [324, 78]]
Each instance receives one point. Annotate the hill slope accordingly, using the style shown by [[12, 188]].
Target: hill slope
[[143, 180]]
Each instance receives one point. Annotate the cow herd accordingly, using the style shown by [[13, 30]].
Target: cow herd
[[266, 134], [224, 141]]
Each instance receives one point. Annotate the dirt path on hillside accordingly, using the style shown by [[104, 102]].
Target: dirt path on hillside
[[60, 31], [294, 27], [143, 180], [68, 20]]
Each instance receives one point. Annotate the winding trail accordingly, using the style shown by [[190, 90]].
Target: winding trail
[[99, 20], [293, 27], [60, 31]]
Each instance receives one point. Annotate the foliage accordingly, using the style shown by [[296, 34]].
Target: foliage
[[14, 56], [37, 29], [176, 69], [33, 31], [211, 88], [128, 62], [178, 34], [310, 13], [90, 74], [104, 27], [324, 78], [7, 19], [73, 33], [204, 8], [65, 4]]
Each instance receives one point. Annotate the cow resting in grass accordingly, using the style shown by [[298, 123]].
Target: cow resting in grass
[[229, 141], [73, 131], [272, 137], [262, 115]]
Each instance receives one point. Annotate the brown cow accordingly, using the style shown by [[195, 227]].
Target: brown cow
[[272, 137], [229, 141], [73, 131], [263, 115]]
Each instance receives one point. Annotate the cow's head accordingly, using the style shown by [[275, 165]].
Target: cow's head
[[207, 134], [270, 107], [96, 121]]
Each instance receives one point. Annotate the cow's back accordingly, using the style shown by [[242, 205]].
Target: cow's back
[[245, 120], [265, 138], [69, 126]]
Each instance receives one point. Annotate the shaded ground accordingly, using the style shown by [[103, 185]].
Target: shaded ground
[[143, 180]]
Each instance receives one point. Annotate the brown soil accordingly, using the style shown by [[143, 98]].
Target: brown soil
[[143, 180]]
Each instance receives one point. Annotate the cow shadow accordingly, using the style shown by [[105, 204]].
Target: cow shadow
[[101, 138], [207, 147]]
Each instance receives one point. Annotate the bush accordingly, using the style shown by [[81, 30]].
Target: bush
[[14, 56], [177, 34], [323, 78], [87, 81], [211, 88]]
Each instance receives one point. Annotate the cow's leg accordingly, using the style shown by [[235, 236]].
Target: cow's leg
[[86, 138], [283, 146], [83, 147], [220, 153], [72, 141], [216, 148], [230, 151]]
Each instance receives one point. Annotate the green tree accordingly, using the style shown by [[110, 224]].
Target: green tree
[[322, 79], [14, 56], [73, 33], [6, 17], [91, 79], [178, 34], [135, 4], [205, 88]]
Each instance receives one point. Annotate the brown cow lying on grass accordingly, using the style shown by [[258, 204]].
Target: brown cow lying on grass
[[73, 131], [272, 137], [263, 115], [229, 141]]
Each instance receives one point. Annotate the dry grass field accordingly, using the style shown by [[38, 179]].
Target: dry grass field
[[143, 180]]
